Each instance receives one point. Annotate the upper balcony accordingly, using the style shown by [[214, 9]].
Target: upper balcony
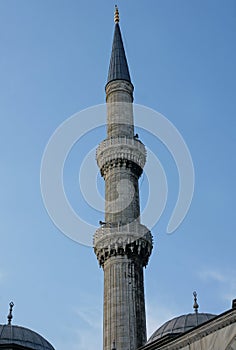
[[121, 148]]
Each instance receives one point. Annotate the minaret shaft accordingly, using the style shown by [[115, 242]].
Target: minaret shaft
[[122, 196], [122, 244], [124, 308], [119, 98]]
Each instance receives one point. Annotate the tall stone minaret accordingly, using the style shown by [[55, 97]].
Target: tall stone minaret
[[122, 244]]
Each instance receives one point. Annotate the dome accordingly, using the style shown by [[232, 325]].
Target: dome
[[180, 325], [23, 337]]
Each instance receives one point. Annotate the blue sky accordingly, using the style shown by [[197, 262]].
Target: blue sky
[[54, 63]]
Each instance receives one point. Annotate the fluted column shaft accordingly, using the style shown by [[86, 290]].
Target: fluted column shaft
[[124, 309]]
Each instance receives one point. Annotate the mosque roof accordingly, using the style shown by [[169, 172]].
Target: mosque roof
[[180, 324], [22, 337]]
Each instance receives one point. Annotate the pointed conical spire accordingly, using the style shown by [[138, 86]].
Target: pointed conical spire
[[118, 68]]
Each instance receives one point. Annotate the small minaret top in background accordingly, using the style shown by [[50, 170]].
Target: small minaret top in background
[[195, 305], [113, 345], [10, 316], [116, 17]]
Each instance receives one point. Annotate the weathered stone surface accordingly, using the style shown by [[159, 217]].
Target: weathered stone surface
[[124, 308]]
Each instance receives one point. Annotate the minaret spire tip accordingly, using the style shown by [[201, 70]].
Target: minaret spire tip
[[117, 16], [113, 345]]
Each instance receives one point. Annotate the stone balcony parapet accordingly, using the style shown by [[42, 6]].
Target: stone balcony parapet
[[132, 239], [123, 148]]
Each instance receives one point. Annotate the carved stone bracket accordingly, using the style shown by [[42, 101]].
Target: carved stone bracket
[[125, 240]]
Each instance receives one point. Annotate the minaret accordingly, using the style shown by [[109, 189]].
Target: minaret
[[122, 244]]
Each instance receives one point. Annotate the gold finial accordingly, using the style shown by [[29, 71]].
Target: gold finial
[[195, 305], [116, 17]]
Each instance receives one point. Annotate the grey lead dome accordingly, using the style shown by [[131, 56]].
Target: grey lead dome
[[22, 337], [180, 324]]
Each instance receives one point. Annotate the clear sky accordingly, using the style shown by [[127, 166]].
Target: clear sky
[[54, 63]]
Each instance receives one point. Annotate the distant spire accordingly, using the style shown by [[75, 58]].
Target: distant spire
[[195, 305], [118, 69], [113, 345], [10, 316], [116, 17]]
